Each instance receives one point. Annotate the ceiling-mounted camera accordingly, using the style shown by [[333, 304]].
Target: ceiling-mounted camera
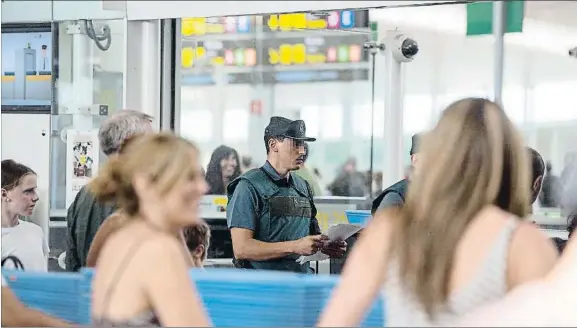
[[404, 48], [573, 52]]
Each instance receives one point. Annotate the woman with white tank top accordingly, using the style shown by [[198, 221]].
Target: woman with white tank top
[[547, 302], [458, 243]]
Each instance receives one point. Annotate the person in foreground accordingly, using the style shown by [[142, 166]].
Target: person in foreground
[[458, 242], [271, 212], [141, 277], [546, 302], [196, 238], [16, 314]]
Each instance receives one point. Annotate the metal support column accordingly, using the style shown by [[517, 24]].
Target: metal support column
[[142, 73], [499, 17], [170, 75], [393, 170]]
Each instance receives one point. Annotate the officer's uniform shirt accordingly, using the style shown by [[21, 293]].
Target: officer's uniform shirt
[[244, 210]]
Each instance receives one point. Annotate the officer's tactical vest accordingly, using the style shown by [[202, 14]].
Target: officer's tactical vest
[[399, 188], [285, 213]]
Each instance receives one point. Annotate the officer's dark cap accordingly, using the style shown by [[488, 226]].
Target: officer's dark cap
[[416, 140], [283, 127]]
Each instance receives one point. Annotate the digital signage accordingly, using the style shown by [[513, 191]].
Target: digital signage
[[26, 68]]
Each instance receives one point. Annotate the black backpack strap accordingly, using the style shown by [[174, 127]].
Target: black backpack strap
[[15, 260]]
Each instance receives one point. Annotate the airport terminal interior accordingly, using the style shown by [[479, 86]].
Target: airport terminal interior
[[364, 81]]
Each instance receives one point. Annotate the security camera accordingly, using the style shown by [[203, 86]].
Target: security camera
[[403, 47], [573, 52]]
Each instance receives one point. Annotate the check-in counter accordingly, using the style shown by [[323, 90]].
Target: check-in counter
[[330, 211]]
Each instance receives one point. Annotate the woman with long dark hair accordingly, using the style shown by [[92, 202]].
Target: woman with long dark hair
[[222, 169]]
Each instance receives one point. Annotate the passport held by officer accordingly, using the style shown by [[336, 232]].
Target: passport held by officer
[[271, 213]]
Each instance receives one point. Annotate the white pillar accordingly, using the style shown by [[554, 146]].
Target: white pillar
[[393, 170], [142, 78], [499, 16]]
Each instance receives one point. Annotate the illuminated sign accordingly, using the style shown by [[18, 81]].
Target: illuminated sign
[[316, 50], [214, 53], [334, 20], [198, 26], [297, 54]]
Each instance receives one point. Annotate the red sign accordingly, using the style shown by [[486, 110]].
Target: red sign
[[256, 107]]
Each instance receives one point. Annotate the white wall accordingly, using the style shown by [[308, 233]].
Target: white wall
[[35, 136]]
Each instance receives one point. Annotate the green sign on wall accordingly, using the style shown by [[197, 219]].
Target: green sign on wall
[[480, 17]]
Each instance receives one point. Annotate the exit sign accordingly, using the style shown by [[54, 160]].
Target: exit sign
[[480, 17]]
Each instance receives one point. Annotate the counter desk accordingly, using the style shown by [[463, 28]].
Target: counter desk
[[331, 211]]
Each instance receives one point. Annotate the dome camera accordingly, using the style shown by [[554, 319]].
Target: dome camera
[[404, 48]]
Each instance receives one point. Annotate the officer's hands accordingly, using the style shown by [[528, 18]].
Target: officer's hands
[[335, 248], [309, 245]]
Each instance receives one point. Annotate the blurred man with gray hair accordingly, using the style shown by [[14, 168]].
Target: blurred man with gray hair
[[85, 214]]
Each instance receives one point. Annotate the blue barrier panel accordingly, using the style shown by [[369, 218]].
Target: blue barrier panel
[[263, 298], [360, 217], [53, 293], [232, 297]]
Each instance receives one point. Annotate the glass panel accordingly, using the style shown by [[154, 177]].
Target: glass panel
[[542, 78], [244, 70], [104, 88], [197, 125], [235, 125], [448, 66]]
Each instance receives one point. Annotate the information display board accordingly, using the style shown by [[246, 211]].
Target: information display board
[[27, 67], [258, 49]]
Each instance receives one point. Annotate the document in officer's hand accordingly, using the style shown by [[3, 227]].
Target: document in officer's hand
[[336, 232]]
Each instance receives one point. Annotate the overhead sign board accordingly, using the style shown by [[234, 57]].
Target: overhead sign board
[[144, 10]]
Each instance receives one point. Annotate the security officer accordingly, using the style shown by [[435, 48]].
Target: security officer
[[270, 213], [394, 196]]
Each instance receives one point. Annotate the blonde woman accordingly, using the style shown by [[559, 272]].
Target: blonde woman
[[141, 277], [195, 238], [459, 241], [547, 302]]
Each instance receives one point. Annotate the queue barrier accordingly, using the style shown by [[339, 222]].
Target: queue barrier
[[232, 297]]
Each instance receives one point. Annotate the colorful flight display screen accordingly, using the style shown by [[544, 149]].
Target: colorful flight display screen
[[313, 50], [217, 25], [316, 50], [241, 53], [333, 20]]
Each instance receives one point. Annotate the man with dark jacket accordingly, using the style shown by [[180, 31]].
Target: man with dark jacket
[[271, 212], [85, 214], [394, 196]]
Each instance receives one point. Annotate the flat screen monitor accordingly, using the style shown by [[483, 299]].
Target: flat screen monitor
[[28, 56]]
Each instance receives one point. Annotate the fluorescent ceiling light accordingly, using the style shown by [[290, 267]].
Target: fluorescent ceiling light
[[452, 19]]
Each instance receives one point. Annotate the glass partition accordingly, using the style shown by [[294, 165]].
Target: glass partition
[[237, 72], [104, 86], [539, 91]]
